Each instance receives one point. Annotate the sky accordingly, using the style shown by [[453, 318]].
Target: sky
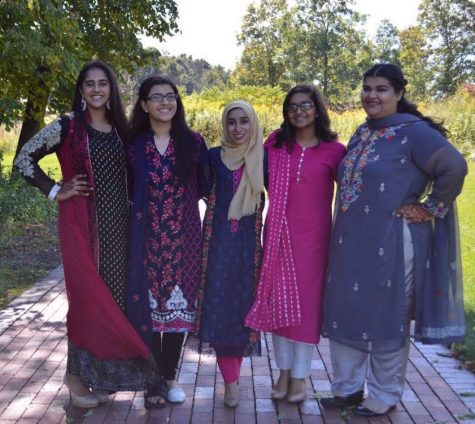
[[209, 27]]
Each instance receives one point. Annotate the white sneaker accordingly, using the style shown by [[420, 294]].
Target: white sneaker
[[176, 395]]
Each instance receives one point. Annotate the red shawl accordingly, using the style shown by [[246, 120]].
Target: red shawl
[[277, 302], [94, 321]]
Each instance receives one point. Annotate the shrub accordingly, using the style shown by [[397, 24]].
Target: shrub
[[20, 203]]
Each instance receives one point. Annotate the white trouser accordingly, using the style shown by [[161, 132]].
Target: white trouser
[[293, 356], [384, 372]]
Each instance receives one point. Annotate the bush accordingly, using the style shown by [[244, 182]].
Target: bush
[[458, 116], [20, 203], [203, 111]]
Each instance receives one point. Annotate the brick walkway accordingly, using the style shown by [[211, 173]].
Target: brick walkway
[[33, 360]]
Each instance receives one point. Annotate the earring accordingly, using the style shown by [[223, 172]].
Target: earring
[[83, 104], [108, 105]]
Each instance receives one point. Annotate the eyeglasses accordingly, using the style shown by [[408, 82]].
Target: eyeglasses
[[159, 98], [293, 107]]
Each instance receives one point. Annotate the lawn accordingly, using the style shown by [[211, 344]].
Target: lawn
[[466, 207], [49, 164]]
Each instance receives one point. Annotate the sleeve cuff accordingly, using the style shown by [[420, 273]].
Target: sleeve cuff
[[53, 192], [439, 210]]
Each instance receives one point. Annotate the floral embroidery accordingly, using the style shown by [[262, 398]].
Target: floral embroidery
[[439, 210], [357, 158], [237, 174], [163, 261], [48, 137], [177, 301]]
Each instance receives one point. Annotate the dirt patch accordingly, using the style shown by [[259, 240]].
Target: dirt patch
[[27, 253]]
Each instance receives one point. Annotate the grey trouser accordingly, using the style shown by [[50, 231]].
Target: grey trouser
[[384, 372]]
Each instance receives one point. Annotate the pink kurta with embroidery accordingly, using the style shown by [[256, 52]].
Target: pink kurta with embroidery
[[312, 175]]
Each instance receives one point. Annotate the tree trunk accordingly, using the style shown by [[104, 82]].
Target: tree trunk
[[33, 120]]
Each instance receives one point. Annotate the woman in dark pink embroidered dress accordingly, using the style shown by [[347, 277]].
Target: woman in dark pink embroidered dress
[[303, 157], [170, 170]]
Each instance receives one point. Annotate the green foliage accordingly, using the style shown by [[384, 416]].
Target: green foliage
[[266, 31], [387, 42], [414, 58], [45, 42], [458, 114], [194, 75], [20, 203], [190, 75], [204, 110], [449, 26], [322, 42], [316, 41], [466, 205]]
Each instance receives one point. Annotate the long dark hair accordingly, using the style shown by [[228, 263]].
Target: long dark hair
[[183, 137], [395, 76], [286, 133], [115, 113]]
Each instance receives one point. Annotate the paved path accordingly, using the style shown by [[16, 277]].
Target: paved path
[[33, 360]]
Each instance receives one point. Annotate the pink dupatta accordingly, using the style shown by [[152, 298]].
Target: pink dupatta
[[277, 301]]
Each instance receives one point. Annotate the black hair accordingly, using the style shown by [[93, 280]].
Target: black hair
[[395, 76], [115, 113], [183, 137], [286, 133]]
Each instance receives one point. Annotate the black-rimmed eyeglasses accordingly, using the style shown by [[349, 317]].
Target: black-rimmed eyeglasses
[[293, 107], [158, 98]]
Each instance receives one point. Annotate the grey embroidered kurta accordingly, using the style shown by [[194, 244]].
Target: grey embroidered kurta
[[390, 162]]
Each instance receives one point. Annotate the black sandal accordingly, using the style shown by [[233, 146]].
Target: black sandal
[[160, 393]]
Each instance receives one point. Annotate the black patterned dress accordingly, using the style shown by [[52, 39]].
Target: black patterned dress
[[109, 167]]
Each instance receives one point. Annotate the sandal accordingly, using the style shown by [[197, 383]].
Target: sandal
[[158, 392]]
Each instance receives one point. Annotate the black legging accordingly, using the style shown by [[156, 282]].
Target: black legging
[[166, 349]]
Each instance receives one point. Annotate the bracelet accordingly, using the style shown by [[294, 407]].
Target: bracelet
[[53, 192]]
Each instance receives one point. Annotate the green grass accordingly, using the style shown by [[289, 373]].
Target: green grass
[[466, 207], [49, 164]]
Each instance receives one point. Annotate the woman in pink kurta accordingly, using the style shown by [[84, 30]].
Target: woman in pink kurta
[[303, 156]]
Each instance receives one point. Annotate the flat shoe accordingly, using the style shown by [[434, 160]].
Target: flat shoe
[[231, 402], [365, 412], [102, 395], [343, 401], [278, 394], [82, 401], [297, 397], [176, 395], [158, 403], [231, 394]]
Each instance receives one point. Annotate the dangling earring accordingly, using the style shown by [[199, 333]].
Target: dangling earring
[[108, 105], [83, 104]]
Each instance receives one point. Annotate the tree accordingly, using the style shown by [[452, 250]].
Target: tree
[[45, 42], [450, 28], [263, 35], [414, 59], [387, 42], [330, 47], [194, 75], [315, 41]]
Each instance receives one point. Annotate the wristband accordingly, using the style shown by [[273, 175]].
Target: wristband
[[53, 192]]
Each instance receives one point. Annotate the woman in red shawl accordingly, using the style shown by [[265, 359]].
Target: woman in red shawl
[[104, 351]]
